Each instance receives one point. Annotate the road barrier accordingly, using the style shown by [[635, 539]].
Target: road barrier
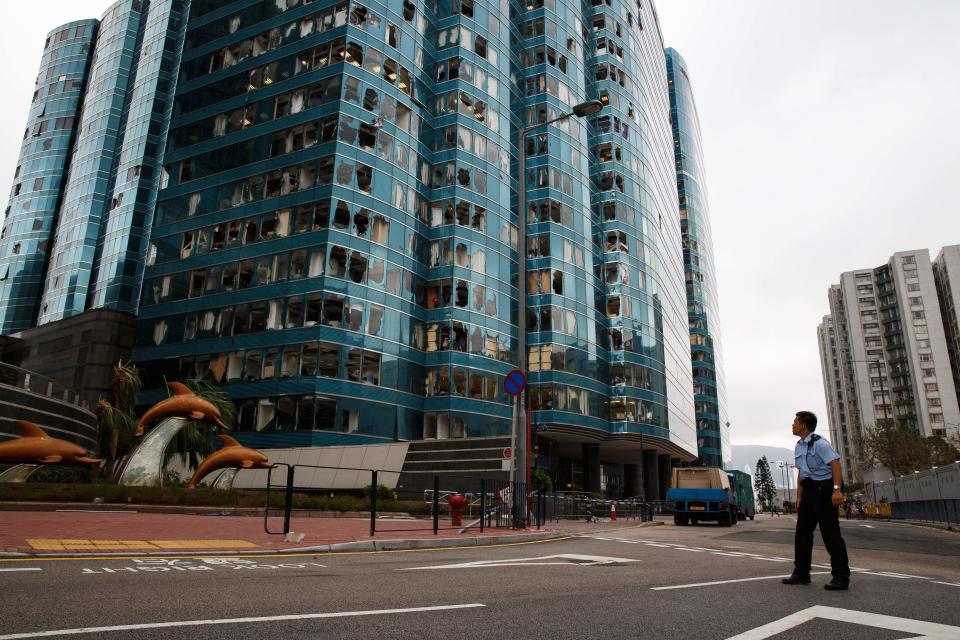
[[494, 504], [932, 495]]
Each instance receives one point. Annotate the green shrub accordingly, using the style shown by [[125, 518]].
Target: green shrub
[[383, 492]]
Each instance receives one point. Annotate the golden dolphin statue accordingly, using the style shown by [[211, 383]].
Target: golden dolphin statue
[[34, 446], [233, 454], [182, 404]]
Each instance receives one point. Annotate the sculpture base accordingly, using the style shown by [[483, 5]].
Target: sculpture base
[[144, 467]]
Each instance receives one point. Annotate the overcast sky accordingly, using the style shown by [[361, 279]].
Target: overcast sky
[[831, 138]]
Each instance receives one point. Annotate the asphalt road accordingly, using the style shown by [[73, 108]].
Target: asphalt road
[[656, 582]]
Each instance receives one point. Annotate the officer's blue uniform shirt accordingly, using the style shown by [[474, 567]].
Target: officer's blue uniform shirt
[[813, 458]]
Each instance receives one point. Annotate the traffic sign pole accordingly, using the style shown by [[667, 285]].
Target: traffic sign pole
[[514, 385]]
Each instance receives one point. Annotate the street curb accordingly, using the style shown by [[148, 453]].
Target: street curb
[[357, 546]]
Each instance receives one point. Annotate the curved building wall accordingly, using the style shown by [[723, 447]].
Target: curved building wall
[[25, 240], [118, 265], [634, 194], [61, 412], [86, 196], [713, 431]]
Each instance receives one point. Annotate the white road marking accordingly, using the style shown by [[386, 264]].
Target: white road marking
[[925, 630], [561, 559], [197, 623], [882, 574], [710, 584], [868, 526], [23, 569], [896, 574], [754, 556], [949, 584]]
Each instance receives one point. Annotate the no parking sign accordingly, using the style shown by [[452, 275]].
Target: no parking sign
[[514, 383]]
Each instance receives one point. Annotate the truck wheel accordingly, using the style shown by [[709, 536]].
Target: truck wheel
[[724, 519], [680, 521], [694, 521], [751, 517]]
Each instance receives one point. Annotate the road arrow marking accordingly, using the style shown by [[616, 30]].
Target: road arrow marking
[[925, 630], [561, 559]]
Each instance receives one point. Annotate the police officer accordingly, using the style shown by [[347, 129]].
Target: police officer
[[818, 496]]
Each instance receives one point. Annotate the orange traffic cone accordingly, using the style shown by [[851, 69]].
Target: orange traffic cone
[[613, 511]]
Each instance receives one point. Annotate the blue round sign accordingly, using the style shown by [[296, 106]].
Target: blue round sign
[[515, 382]]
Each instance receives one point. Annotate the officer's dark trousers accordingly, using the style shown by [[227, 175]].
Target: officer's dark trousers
[[815, 509]]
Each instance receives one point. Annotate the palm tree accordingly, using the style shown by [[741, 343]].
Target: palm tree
[[116, 420]]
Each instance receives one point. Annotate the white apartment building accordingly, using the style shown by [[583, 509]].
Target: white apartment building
[[888, 357], [946, 273], [841, 434]]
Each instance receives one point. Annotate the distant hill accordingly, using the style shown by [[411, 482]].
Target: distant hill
[[748, 454]]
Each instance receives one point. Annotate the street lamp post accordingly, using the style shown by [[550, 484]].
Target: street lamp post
[[789, 478], [783, 477], [520, 427]]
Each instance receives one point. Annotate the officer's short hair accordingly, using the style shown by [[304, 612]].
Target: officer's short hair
[[808, 419]]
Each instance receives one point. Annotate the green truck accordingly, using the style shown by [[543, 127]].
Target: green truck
[[741, 484]]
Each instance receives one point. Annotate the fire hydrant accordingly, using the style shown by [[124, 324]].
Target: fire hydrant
[[457, 502]]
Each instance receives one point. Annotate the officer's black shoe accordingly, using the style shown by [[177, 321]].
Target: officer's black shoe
[[795, 579], [837, 584]]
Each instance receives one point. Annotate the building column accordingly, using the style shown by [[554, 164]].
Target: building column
[[591, 468], [651, 476], [632, 480], [666, 474]]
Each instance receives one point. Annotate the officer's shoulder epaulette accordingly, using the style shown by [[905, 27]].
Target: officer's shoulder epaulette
[[813, 439]]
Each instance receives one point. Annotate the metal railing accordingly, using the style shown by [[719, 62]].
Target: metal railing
[[572, 506], [39, 384], [494, 504]]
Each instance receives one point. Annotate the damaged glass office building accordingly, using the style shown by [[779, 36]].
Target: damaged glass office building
[[334, 233]]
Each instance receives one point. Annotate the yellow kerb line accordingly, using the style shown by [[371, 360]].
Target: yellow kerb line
[[52, 544]]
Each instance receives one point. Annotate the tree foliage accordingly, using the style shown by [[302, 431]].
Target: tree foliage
[[766, 489], [902, 450], [116, 420]]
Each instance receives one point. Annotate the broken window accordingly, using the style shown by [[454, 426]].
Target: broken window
[[333, 306], [381, 229], [358, 267], [338, 261]]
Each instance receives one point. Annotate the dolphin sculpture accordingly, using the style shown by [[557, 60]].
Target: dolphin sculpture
[[182, 404], [34, 446], [233, 454]]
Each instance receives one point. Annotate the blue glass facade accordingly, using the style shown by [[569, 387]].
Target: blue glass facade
[[104, 211], [118, 265], [335, 238], [713, 428], [30, 218]]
